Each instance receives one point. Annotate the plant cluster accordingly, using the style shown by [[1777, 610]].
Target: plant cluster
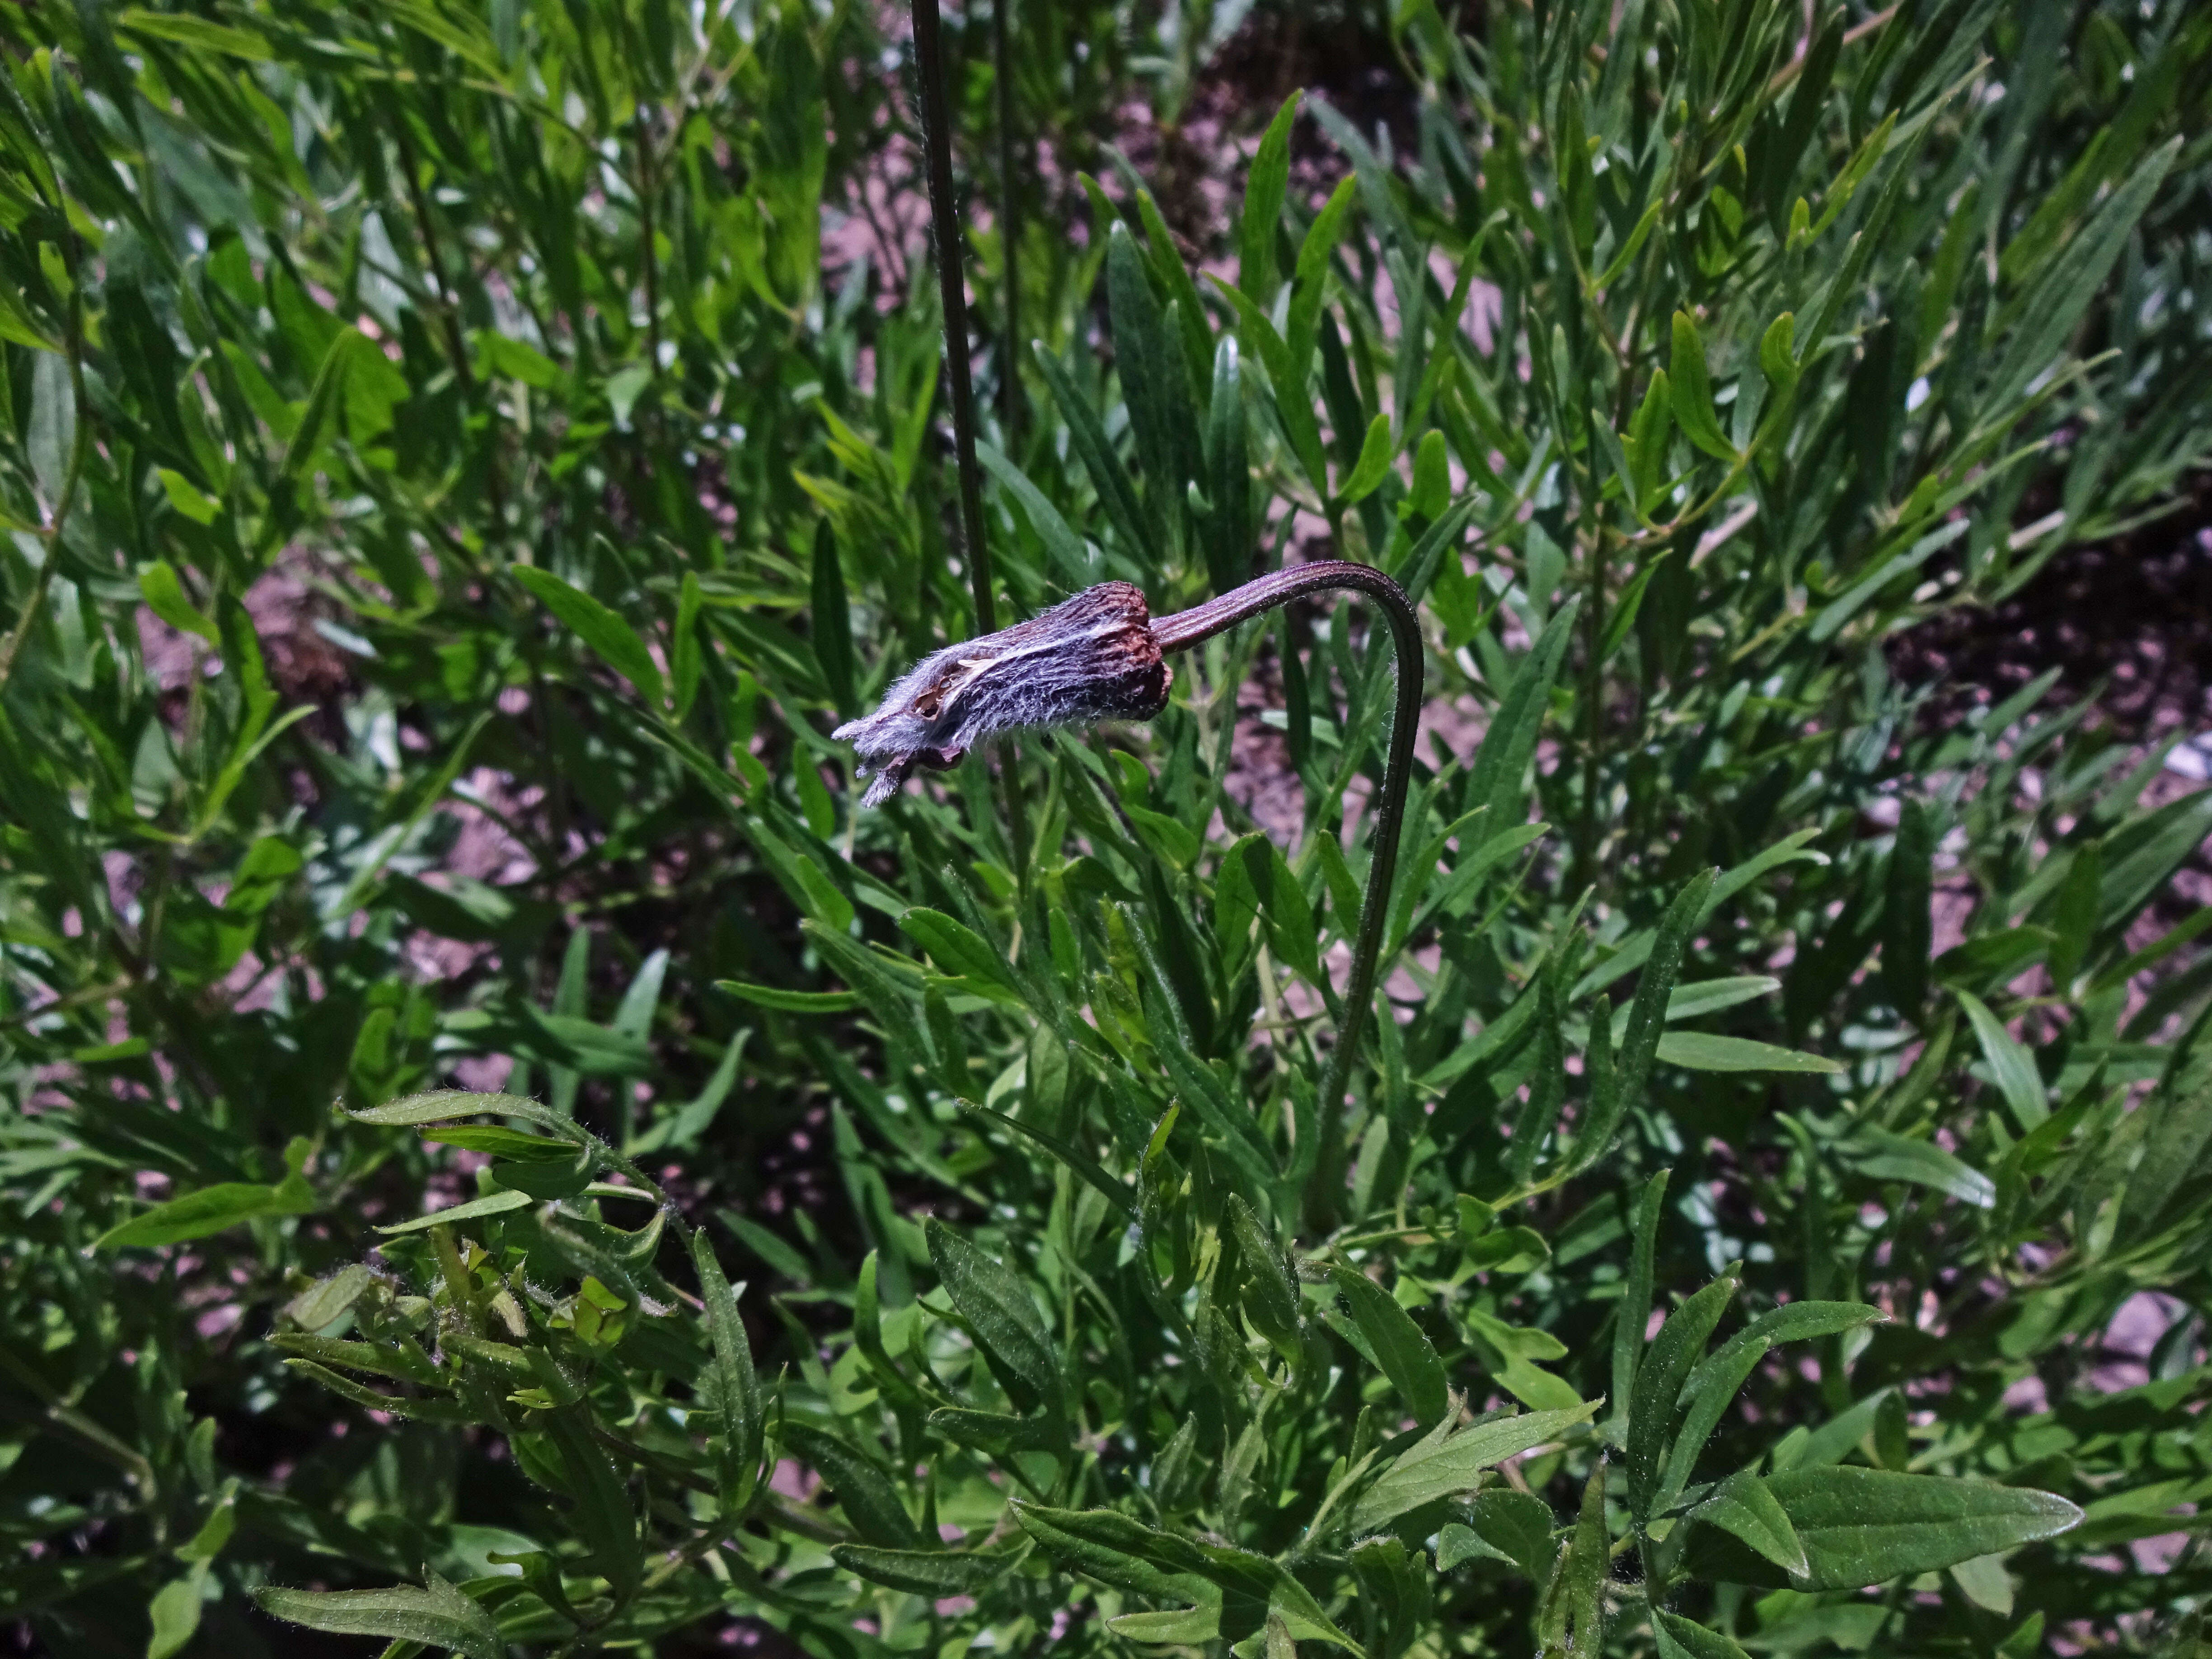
[[450, 513]]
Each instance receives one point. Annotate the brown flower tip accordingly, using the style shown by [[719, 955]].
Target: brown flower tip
[[1088, 658]]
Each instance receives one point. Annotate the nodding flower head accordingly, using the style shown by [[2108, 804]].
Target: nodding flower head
[[1089, 658]]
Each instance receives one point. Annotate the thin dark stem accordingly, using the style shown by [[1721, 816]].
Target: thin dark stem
[[944, 222], [1010, 228], [1189, 627], [944, 225], [651, 260]]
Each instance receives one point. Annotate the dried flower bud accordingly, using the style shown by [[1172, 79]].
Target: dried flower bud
[[1089, 658]]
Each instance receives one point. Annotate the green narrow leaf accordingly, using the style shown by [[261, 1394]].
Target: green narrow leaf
[[1692, 392], [476, 1209], [1876, 1151], [1571, 1618], [174, 1612], [1501, 765], [958, 948], [208, 1211], [2073, 915], [729, 1386], [1292, 928], [607, 634], [1777, 360], [1375, 454], [449, 1105], [1112, 1547], [1860, 1527], [1644, 1033], [862, 1489], [2051, 309], [1707, 1396], [1793, 1321], [1230, 533], [933, 1573], [1264, 185], [164, 593], [439, 1615], [510, 1144], [1086, 435], [601, 1516], [1907, 927], [1678, 1637], [1271, 1295], [998, 1308], [2179, 1130], [792, 1002], [1080, 1162], [52, 435], [1185, 1626], [1519, 1526], [1440, 1466], [1404, 1353], [1153, 383], [1633, 1311], [322, 1303], [1659, 1377], [1701, 1051], [2011, 1067], [1302, 327], [1071, 562], [1741, 1504]]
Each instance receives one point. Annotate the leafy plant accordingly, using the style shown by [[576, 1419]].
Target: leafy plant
[[429, 430]]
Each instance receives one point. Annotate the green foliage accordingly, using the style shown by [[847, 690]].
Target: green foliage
[[428, 426]]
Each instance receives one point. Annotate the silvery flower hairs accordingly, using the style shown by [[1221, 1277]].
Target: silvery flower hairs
[[1089, 658]]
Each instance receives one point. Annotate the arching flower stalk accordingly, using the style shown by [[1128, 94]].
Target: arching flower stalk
[[1099, 656]]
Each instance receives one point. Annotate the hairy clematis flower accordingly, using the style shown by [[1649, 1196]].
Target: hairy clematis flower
[[1096, 657], [1089, 658]]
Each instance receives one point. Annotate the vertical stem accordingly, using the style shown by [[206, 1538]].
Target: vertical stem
[[944, 224], [1010, 228], [1587, 830], [650, 258]]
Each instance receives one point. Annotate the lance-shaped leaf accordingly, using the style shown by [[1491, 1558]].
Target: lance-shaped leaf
[[1441, 1465], [999, 1309], [730, 1386], [1692, 391], [1271, 1295], [1677, 1637], [933, 1573], [1264, 184], [439, 1615], [606, 633], [1407, 1357], [1743, 1505], [863, 1490], [1860, 1527], [602, 1517], [1659, 1377]]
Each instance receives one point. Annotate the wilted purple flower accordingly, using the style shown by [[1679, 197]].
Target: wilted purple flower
[[1088, 658]]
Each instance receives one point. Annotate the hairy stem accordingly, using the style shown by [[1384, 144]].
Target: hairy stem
[[944, 223], [1010, 228], [1190, 628]]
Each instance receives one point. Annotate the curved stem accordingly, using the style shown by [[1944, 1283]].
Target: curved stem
[[1189, 627]]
